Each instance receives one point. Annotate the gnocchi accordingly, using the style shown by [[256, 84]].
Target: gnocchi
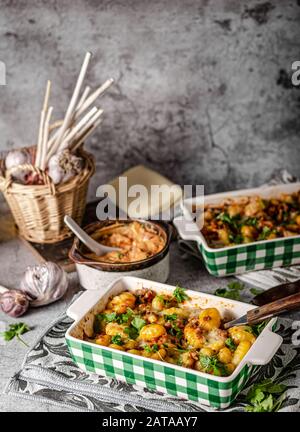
[[122, 302], [165, 328], [209, 318], [250, 219]]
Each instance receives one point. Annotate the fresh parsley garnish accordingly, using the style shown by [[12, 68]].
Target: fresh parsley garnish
[[124, 318], [153, 349], [265, 396], [171, 317], [231, 221], [213, 364], [248, 329], [135, 327], [131, 332], [256, 291], [258, 328], [110, 317], [179, 294], [266, 231], [117, 340], [230, 344], [138, 323], [250, 221], [176, 331], [237, 239], [232, 291], [15, 330], [119, 318]]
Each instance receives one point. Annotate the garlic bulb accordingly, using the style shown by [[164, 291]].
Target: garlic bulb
[[16, 157], [14, 303], [44, 284], [63, 166], [56, 174]]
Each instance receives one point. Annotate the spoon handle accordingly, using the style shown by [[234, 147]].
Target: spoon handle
[[82, 235], [90, 243]]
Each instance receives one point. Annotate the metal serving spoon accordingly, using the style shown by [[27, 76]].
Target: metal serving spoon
[[90, 243]]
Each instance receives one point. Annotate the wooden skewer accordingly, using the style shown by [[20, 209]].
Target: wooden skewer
[[45, 138], [91, 99], [40, 139], [85, 135], [42, 120], [77, 127], [83, 97], [81, 107], [92, 120], [47, 96], [71, 106]]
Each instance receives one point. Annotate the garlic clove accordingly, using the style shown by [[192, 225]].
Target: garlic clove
[[56, 174], [14, 303]]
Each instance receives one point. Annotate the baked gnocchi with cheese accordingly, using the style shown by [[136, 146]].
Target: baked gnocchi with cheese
[[168, 328], [251, 219]]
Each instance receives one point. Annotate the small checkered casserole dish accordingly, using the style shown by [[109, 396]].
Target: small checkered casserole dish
[[218, 392], [238, 259]]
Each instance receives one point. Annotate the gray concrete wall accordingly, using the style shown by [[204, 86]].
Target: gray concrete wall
[[202, 90]]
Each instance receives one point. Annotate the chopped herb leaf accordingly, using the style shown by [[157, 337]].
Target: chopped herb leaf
[[258, 328], [176, 331], [117, 340], [179, 294], [237, 239], [256, 291], [124, 318], [231, 221], [171, 317], [232, 291], [138, 323], [15, 330], [109, 317], [266, 231], [213, 364], [265, 396], [251, 221], [230, 344], [132, 332], [153, 349], [135, 326]]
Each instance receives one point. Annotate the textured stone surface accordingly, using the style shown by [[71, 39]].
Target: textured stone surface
[[202, 88]]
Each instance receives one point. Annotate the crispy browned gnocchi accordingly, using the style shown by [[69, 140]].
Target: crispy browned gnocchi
[[165, 328], [250, 219]]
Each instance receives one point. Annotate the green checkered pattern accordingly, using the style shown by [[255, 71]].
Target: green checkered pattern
[[155, 376], [236, 260]]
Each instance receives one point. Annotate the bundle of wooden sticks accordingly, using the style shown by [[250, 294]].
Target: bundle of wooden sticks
[[78, 123]]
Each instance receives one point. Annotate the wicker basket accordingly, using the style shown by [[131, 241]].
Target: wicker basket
[[39, 210]]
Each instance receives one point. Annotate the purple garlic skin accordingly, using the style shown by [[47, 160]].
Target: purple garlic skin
[[44, 284], [14, 303]]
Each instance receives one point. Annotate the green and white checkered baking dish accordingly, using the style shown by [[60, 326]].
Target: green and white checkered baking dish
[[218, 392], [260, 255]]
